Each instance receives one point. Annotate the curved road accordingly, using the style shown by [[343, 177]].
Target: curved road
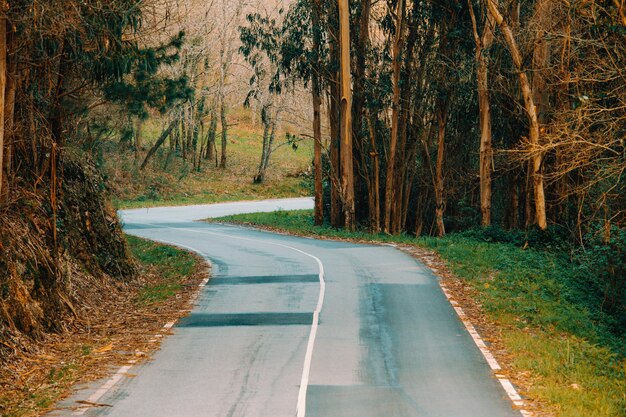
[[386, 343]]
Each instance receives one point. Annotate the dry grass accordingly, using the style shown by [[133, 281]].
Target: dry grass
[[32, 380]]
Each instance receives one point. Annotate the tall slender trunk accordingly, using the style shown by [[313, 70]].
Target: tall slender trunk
[[333, 119], [317, 154], [224, 124], [483, 43], [266, 120], [375, 181], [317, 120], [360, 135], [3, 82], [182, 137], [440, 208], [210, 146], [531, 112], [335, 168], [528, 198], [562, 105], [397, 47], [347, 171], [402, 181]]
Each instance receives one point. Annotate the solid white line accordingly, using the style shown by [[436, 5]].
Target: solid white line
[[304, 381]]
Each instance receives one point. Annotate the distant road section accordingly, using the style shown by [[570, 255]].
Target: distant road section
[[290, 326], [205, 211]]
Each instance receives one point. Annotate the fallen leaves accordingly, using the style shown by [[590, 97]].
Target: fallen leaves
[[36, 373]]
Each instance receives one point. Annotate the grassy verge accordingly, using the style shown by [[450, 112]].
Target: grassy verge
[[173, 267], [550, 326], [121, 323]]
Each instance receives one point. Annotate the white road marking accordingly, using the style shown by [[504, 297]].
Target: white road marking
[[93, 398], [510, 390], [304, 381]]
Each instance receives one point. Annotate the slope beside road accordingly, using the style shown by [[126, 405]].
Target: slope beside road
[[386, 342]]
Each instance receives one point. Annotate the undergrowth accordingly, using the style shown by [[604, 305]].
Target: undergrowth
[[543, 296]]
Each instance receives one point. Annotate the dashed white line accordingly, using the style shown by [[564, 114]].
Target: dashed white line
[[508, 387], [111, 382]]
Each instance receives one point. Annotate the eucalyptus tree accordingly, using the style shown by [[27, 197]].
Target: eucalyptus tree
[[429, 76], [262, 40]]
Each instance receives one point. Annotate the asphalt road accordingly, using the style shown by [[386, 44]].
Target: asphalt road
[[386, 342]]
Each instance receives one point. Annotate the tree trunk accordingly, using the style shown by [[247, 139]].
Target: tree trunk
[[224, 132], [347, 171], [182, 138], [531, 112], [389, 184], [265, 119], [317, 121], [335, 168], [317, 154], [375, 181], [528, 191], [360, 43], [3, 81], [159, 142], [440, 208], [210, 146], [333, 120], [483, 43]]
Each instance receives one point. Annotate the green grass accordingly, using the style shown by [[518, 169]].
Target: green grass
[[550, 323], [173, 266], [180, 184]]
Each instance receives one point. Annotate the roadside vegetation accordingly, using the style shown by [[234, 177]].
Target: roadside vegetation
[[33, 381], [170, 180], [547, 301]]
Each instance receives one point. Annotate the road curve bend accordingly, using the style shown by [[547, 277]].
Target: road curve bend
[[291, 326]]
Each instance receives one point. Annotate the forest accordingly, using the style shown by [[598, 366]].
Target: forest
[[447, 115], [501, 118], [444, 116]]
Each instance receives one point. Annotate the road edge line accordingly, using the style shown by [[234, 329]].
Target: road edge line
[[506, 384], [117, 376]]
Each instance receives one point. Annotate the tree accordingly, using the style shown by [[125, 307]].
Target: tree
[[318, 215], [3, 73], [393, 141], [483, 43], [347, 171], [531, 112]]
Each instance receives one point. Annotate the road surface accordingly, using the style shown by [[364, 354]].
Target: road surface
[[386, 342]]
